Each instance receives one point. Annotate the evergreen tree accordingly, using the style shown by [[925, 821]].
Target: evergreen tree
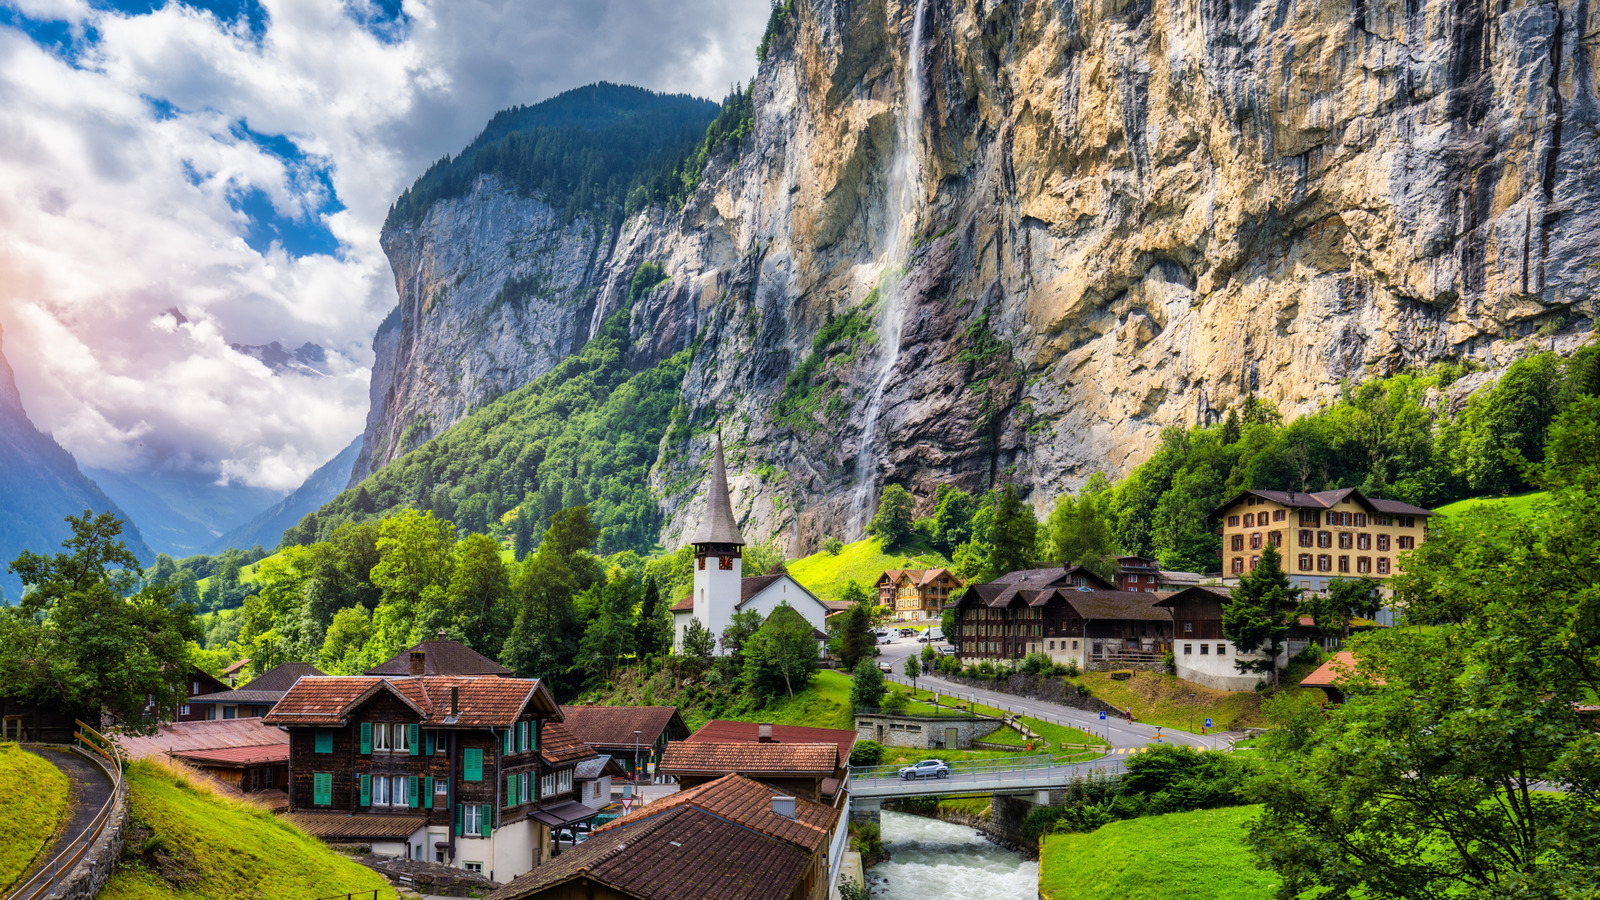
[[866, 685], [892, 524], [855, 640], [740, 628], [1259, 613], [1014, 537], [698, 643], [653, 631], [1078, 531]]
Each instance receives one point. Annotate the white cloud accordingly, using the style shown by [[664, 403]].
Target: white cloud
[[119, 170]]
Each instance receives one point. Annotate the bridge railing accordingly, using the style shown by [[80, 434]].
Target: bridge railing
[[963, 767]]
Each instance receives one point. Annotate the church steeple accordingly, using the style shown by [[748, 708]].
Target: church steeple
[[719, 527]]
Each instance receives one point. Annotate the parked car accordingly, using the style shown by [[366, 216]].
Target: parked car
[[928, 768], [885, 668], [947, 650], [908, 632]]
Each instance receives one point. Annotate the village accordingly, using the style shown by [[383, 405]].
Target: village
[[449, 776]]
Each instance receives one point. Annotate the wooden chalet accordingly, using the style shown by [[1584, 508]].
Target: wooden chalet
[[1066, 613], [201, 683], [627, 733], [732, 838], [475, 772], [253, 700]]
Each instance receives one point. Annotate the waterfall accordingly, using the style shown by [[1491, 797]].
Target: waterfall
[[905, 181]]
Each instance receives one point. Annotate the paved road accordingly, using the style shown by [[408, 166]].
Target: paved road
[[1120, 733], [88, 787]]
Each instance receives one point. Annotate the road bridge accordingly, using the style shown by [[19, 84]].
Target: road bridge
[[1025, 775]]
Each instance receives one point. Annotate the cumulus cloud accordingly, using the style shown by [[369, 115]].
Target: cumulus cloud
[[174, 182]]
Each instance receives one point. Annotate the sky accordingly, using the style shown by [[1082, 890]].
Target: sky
[[178, 180]]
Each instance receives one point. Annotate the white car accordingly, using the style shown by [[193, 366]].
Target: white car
[[928, 768]]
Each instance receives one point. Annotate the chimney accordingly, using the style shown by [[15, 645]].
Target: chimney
[[455, 701], [764, 736], [783, 806], [418, 657], [441, 635]]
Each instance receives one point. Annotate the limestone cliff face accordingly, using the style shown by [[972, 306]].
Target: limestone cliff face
[[1106, 219]]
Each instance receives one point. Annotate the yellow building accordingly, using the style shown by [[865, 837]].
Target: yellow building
[[916, 594], [1320, 536]]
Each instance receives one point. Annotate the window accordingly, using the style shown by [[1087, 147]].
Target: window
[[1324, 563], [1238, 564], [1188, 628], [1309, 517], [1254, 561], [1255, 540], [1275, 538], [472, 764], [1305, 537], [472, 822], [1205, 649], [1187, 649], [1363, 542], [1233, 521], [380, 790], [527, 788], [1249, 520], [522, 735], [547, 785], [1361, 520], [401, 737], [1383, 565], [1408, 522], [1278, 515], [700, 563], [324, 741], [1344, 563], [1381, 520], [1305, 562], [1363, 564], [1406, 542], [322, 789], [474, 867], [1238, 542], [1383, 542], [1052, 645], [1345, 540], [1324, 539], [1222, 649], [564, 780], [380, 736]]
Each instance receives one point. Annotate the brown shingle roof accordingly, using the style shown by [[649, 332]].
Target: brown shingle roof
[[749, 803], [482, 701], [206, 735], [918, 577], [230, 757], [343, 825], [267, 688], [441, 658], [613, 726], [1326, 500], [704, 757], [722, 730], [558, 745], [683, 854]]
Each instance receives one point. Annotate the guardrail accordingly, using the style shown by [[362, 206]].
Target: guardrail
[[112, 760], [963, 767]]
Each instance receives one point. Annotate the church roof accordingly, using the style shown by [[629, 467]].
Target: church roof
[[719, 525]]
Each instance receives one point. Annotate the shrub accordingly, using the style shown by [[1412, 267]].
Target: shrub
[[894, 701], [832, 546], [1036, 663], [1169, 663], [1072, 670], [985, 669], [866, 753]]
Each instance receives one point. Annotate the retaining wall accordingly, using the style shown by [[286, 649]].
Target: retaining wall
[[84, 880]]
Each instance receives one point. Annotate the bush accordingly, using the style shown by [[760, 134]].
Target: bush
[[985, 669], [1036, 663], [1072, 670], [1169, 663], [866, 753], [832, 546], [894, 701]]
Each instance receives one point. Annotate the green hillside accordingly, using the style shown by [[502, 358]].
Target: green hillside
[[187, 841], [825, 574], [33, 800], [1183, 856], [1518, 505]]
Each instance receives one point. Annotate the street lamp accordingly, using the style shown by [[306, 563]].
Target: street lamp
[[636, 754]]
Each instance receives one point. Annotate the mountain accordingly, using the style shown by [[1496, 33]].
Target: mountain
[[40, 484], [268, 526], [973, 243], [181, 514]]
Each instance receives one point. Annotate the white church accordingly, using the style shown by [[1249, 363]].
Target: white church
[[720, 588]]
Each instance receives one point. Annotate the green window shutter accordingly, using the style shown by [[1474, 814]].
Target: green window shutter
[[429, 741], [483, 821], [414, 738], [472, 762], [427, 792], [366, 737], [535, 732], [511, 790], [460, 813], [411, 792], [324, 741], [366, 790], [322, 789]]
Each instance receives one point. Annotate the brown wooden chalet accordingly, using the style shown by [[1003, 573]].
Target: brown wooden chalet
[[201, 683], [627, 733], [253, 700], [1066, 613], [475, 772], [732, 838], [913, 594]]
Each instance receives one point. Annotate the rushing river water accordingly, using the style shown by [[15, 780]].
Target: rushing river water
[[933, 860]]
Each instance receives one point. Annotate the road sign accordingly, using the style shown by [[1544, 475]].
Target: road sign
[[627, 804], [1102, 715], [1208, 723]]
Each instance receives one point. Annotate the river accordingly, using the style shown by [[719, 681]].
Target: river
[[934, 860]]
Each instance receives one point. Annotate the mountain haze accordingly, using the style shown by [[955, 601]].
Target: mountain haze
[[268, 526], [973, 243]]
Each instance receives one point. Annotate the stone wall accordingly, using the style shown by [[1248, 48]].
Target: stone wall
[[85, 879], [430, 878], [922, 732], [1037, 687]]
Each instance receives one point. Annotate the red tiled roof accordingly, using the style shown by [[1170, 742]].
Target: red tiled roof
[[481, 701], [206, 735], [613, 726], [229, 757], [683, 854], [684, 605], [558, 745], [749, 803], [918, 577], [724, 731], [363, 825], [1331, 673], [684, 757]]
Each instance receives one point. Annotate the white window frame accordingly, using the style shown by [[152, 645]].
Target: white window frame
[[527, 788], [547, 784], [398, 791], [380, 790], [476, 867], [471, 821], [402, 738], [380, 737], [563, 781]]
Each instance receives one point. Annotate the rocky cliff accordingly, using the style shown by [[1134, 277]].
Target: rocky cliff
[[1062, 225]]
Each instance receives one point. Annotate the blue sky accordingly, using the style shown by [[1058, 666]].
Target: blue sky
[[234, 161]]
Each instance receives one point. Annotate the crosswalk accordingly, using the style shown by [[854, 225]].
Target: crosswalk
[[1128, 750]]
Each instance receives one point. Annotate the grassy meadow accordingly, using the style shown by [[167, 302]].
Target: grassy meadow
[[33, 802], [1183, 856]]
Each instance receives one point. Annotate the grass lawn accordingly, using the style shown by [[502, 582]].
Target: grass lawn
[[1057, 735], [1160, 699], [1519, 505], [1184, 856], [826, 704], [186, 841], [863, 561], [33, 801]]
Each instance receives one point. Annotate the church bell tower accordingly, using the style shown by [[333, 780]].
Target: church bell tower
[[718, 552]]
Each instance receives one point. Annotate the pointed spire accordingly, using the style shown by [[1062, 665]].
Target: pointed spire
[[719, 525]]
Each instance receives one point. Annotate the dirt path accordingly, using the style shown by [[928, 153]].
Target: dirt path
[[89, 790]]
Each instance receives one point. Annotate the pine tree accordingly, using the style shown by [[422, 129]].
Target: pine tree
[[1014, 537], [1259, 613]]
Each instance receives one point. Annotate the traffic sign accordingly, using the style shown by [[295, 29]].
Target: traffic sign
[[1208, 723], [627, 804], [1102, 715]]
